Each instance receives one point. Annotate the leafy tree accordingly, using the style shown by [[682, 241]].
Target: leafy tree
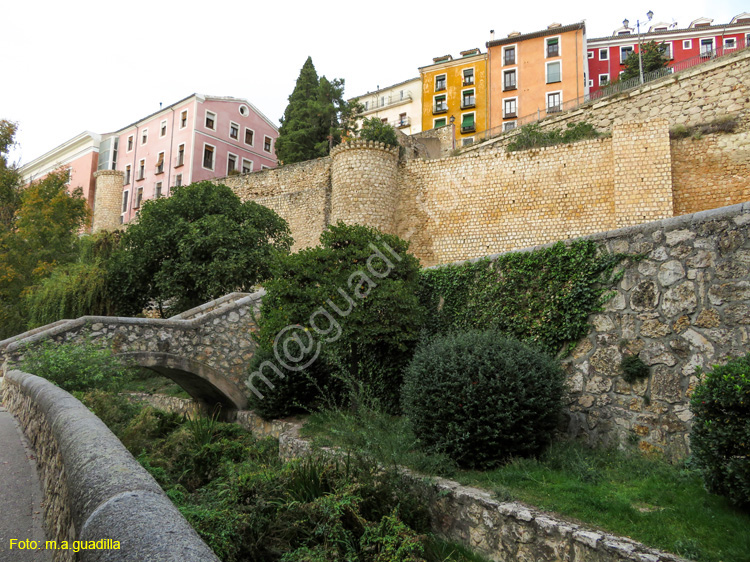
[[10, 179], [373, 129], [654, 57], [196, 245], [315, 119], [43, 235]]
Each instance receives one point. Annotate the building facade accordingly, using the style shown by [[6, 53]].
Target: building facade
[[535, 74], [701, 39], [79, 156], [399, 105], [197, 138], [455, 92]]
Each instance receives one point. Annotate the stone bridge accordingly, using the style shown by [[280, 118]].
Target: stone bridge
[[205, 350]]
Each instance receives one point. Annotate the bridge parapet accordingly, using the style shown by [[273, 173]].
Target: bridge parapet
[[212, 342]]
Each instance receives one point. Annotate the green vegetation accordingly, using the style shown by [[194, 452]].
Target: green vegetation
[[633, 369], [10, 179], [624, 492], [373, 129], [198, 244], [482, 398], [76, 367], [721, 430], [248, 505], [354, 301], [725, 124], [533, 136], [150, 382], [542, 297], [315, 119], [653, 55]]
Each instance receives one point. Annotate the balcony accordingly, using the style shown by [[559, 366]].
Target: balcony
[[468, 80], [468, 104], [468, 128], [554, 109], [508, 87], [401, 123], [438, 109], [439, 86], [510, 115]]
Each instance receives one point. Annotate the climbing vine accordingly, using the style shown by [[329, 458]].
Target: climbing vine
[[542, 297]]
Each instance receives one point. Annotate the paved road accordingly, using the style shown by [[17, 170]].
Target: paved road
[[20, 494]]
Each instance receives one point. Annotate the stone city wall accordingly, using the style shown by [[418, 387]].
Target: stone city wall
[[93, 487]]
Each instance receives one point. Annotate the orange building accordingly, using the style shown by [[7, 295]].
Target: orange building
[[455, 92], [534, 74]]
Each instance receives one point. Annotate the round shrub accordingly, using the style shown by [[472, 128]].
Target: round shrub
[[720, 438], [482, 398]]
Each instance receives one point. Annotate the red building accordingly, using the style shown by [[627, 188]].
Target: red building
[[700, 39]]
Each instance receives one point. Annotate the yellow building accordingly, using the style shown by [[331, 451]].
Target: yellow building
[[455, 92], [534, 74]]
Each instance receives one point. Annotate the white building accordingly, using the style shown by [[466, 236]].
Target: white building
[[399, 105]]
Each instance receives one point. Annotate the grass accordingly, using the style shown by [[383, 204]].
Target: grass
[[150, 382], [645, 498]]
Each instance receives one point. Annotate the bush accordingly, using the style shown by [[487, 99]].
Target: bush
[[356, 315], [633, 368], [76, 367], [533, 136], [373, 129], [482, 398], [720, 437]]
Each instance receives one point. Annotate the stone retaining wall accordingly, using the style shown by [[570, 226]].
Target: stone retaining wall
[[94, 489]]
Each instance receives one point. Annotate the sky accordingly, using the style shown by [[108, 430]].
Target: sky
[[84, 65]]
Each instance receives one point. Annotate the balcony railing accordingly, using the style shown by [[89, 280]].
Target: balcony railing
[[468, 128], [468, 103], [438, 109], [403, 122], [390, 100], [469, 80]]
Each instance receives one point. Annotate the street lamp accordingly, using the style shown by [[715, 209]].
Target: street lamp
[[625, 23]]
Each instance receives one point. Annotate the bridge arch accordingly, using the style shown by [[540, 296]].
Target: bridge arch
[[202, 382]]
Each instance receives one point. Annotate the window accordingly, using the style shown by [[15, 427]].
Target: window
[[441, 106], [367, 105], [591, 54], [554, 73], [183, 119], [467, 123], [178, 180], [510, 108], [625, 53], [554, 102], [234, 131], [138, 198], [130, 143], [180, 156], [267, 144], [591, 84], [401, 95], [467, 99], [603, 79], [402, 120], [247, 166], [687, 44], [553, 47], [442, 122], [509, 126], [160, 163], [509, 55], [249, 134], [163, 129], [208, 157], [509, 80], [730, 42], [157, 190], [707, 47], [468, 77], [125, 200], [141, 169], [382, 101], [210, 120], [384, 120], [667, 49], [231, 163], [603, 54], [467, 141], [127, 174], [440, 82], [244, 110], [144, 136]]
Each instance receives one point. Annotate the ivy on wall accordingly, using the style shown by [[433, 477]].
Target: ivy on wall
[[543, 297]]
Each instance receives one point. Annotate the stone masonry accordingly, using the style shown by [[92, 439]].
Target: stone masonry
[[107, 200]]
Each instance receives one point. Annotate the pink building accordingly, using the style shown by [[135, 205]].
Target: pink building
[[197, 138], [700, 39]]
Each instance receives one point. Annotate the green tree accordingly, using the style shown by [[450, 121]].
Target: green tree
[[43, 235], [654, 57], [10, 179], [373, 129], [198, 244], [315, 119]]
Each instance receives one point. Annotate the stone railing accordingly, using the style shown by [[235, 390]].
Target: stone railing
[[93, 487]]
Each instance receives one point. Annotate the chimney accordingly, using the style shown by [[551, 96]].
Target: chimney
[[554, 25], [492, 34], [514, 34]]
